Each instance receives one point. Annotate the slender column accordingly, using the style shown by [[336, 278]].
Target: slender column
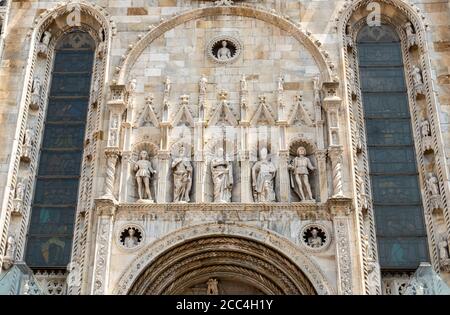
[[116, 106], [341, 211], [332, 104], [105, 209], [321, 156], [163, 170]]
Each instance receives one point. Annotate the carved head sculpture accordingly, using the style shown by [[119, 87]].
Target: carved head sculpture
[[301, 151], [131, 232], [263, 153], [143, 155], [314, 233], [220, 152], [182, 151], [224, 43]]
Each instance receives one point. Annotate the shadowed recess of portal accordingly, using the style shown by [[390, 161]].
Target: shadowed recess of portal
[[239, 265]]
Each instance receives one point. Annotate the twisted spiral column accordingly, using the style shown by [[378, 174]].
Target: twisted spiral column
[[112, 156], [336, 162]]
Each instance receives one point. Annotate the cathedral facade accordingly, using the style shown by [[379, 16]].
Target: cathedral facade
[[223, 147]]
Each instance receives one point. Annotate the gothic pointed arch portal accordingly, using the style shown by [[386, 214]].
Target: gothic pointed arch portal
[[239, 265]]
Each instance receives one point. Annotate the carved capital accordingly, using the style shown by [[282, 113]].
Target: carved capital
[[321, 155], [106, 207], [340, 207]]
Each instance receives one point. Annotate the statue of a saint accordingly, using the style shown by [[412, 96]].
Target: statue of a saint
[[10, 247], [425, 127], [35, 93], [224, 53], [263, 174], [315, 241], [144, 171], [222, 175], [213, 287], [443, 245], [131, 240], [202, 84], [300, 175], [27, 144], [433, 185], [182, 177]]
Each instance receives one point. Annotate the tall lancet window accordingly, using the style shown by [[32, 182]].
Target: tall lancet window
[[56, 192], [397, 202]]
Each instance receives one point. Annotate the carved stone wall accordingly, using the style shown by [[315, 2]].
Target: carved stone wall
[[205, 76]]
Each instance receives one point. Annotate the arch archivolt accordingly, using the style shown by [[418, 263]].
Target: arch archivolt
[[135, 50], [395, 13], [92, 20], [150, 272]]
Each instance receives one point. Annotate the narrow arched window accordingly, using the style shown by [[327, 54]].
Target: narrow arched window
[[50, 233], [397, 202]]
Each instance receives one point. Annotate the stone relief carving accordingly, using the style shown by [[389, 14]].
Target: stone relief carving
[[224, 49], [222, 175], [433, 189], [27, 145], [42, 49], [300, 167], [10, 253], [144, 172], [444, 258], [427, 140], [131, 237], [410, 35], [19, 195], [315, 237], [182, 176], [35, 94], [418, 80], [263, 176], [213, 287]]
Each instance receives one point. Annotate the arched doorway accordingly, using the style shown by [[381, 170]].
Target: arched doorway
[[227, 265]]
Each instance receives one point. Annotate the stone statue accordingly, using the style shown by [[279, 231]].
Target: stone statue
[[10, 248], [144, 171], [203, 82], [244, 85], [222, 175], [263, 175], [418, 80], [410, 36], [167, 86], [27, 144], [443, 246], [131, 240], [35, 93], [280, 84], [300, 175], [425, 127], [20, 190], [433, 185], [224, 53], [213, 287], [133, 85], [315, 241], [182, 177], [43, 45]]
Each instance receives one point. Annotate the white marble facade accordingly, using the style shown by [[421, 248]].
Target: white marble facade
[[219, 119]]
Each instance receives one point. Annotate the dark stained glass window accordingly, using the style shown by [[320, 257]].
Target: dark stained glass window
[[55, 198], [402, 241]]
